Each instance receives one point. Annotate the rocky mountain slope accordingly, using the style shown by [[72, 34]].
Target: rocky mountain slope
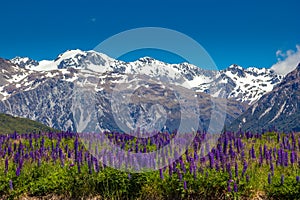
[[44, 91], [279, 108]]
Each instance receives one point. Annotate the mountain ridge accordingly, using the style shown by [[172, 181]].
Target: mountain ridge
[[42, 91], [46, 93], [246, 85], [279, 108]]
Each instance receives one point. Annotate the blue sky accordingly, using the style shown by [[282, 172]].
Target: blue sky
[[248, 33]]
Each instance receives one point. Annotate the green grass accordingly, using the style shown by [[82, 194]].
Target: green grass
[[10, 124]]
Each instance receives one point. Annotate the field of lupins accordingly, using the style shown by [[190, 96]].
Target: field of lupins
[[240, 166]]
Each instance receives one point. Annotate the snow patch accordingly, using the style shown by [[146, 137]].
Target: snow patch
[[279, 112]]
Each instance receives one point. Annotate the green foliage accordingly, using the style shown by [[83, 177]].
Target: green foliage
[[10, 124], [51, 178]]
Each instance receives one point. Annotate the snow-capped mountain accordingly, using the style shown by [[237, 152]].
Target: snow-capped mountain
[[25, 62], [279, 108], [44, 91], [245, 85]]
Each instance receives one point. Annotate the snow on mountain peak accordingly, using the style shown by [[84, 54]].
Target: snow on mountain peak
[[24, 62], [246, 85], [235, 66], [70, 54], [146, 59]]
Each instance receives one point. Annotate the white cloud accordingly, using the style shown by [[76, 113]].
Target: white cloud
[[287, 61]]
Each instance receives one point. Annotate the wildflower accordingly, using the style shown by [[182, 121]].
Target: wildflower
[[236, 169], [161, 174], [282, 179], [253, 152], [211, 160], [179, 175], [11, 185], [18, 171], [235, 187], [292, 157], [170, 170], [90, 166], [184, 185], [269, 178], [6, 166], [272, 168]]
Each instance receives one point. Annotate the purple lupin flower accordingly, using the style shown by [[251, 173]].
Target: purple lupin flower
[[282, 179], [297, 179], [97, 169], [292, 157], [15, 146], [184, 185], [39, 162], [265, 150], [179, 175], [11, 185], [191, 168], [225, 145], [236, 169], [260, 161], [18, 171], [228, 169], [286, 159], [161, 174], [253, 152], [16, 157], [6, 166], [61, 157], [269, 178], [90, 166], [244, 168], [243, 154], [170, 170], [76, 148], [272, 168], [78, 167], [260, 150], [235, 187], [211, 160], [182, 165]]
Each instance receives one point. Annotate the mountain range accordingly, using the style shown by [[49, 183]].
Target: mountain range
[[245, 85], [279, 109], [44, 90]]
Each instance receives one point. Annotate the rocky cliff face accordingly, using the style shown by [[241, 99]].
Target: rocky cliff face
[[280, 108]]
